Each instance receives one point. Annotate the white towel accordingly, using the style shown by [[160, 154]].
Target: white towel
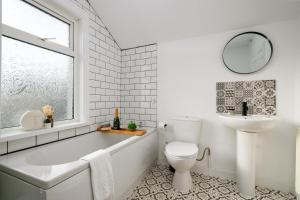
[[101, 174]]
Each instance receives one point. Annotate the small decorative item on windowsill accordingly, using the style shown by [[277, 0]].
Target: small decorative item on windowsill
[[48, 112], [32, 120], [47, 123]]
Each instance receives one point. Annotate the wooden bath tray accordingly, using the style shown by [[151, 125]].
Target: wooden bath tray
[[125, 131]]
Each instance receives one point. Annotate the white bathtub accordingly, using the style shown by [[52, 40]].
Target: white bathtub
[[55, 171]]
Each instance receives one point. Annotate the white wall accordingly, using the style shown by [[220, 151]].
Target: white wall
[[297, 120], [297, 171], [297, 90], [187, 74]]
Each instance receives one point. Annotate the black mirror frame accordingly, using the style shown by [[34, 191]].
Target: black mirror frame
[[252, 32]]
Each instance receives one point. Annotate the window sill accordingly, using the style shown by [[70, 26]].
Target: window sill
[[15, 134]]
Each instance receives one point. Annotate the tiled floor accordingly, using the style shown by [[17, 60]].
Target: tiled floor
[[157, 185]]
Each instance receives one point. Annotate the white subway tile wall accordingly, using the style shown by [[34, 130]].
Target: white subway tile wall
[[46, 138], [82, 130], [66, 133], [139, 86], [104, 71], [117, 78], [21, 144], [3, 148]]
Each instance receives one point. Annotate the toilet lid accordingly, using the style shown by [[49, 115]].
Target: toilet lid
[[181, 149]]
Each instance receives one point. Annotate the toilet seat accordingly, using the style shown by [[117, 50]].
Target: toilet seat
[[183, 150]]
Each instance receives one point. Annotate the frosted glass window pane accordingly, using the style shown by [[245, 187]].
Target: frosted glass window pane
[[25, 17], [32, 77]]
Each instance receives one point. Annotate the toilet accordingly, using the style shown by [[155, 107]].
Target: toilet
[[182, 152]]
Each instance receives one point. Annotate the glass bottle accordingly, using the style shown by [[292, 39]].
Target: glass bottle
[[116, 124]]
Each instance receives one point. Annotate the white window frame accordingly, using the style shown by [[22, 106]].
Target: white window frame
[[79, 20]]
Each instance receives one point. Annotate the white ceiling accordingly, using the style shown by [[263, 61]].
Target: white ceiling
[[140, 22]]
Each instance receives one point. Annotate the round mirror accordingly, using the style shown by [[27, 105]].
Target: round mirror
[[247, 52]]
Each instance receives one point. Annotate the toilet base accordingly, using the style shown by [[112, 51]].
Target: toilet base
[[171, 168], [182, 181]]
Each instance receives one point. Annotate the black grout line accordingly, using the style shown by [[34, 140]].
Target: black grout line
[[139, 47], [104, 25], [112, 35]]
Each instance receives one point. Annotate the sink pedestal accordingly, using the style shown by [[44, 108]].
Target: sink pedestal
[[247, 128], [246, 163]]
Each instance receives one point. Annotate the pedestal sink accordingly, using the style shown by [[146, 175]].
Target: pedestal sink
[[247, 128]]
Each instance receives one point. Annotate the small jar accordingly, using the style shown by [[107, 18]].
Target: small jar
[[49, 122], [47, 125]]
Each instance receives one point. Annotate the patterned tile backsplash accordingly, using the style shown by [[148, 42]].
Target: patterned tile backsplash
[[259, 95]]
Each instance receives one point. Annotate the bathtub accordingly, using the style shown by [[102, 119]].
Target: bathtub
[[55, 171]]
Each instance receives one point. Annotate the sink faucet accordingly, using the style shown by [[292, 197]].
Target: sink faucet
[[244, 109]]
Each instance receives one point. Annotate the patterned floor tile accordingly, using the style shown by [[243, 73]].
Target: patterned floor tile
[[157, 185]]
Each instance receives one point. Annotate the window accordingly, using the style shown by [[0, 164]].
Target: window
[[36, 21], [38, 62]]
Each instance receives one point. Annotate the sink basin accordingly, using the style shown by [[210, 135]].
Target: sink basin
[[246, 127], [251, 123]]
